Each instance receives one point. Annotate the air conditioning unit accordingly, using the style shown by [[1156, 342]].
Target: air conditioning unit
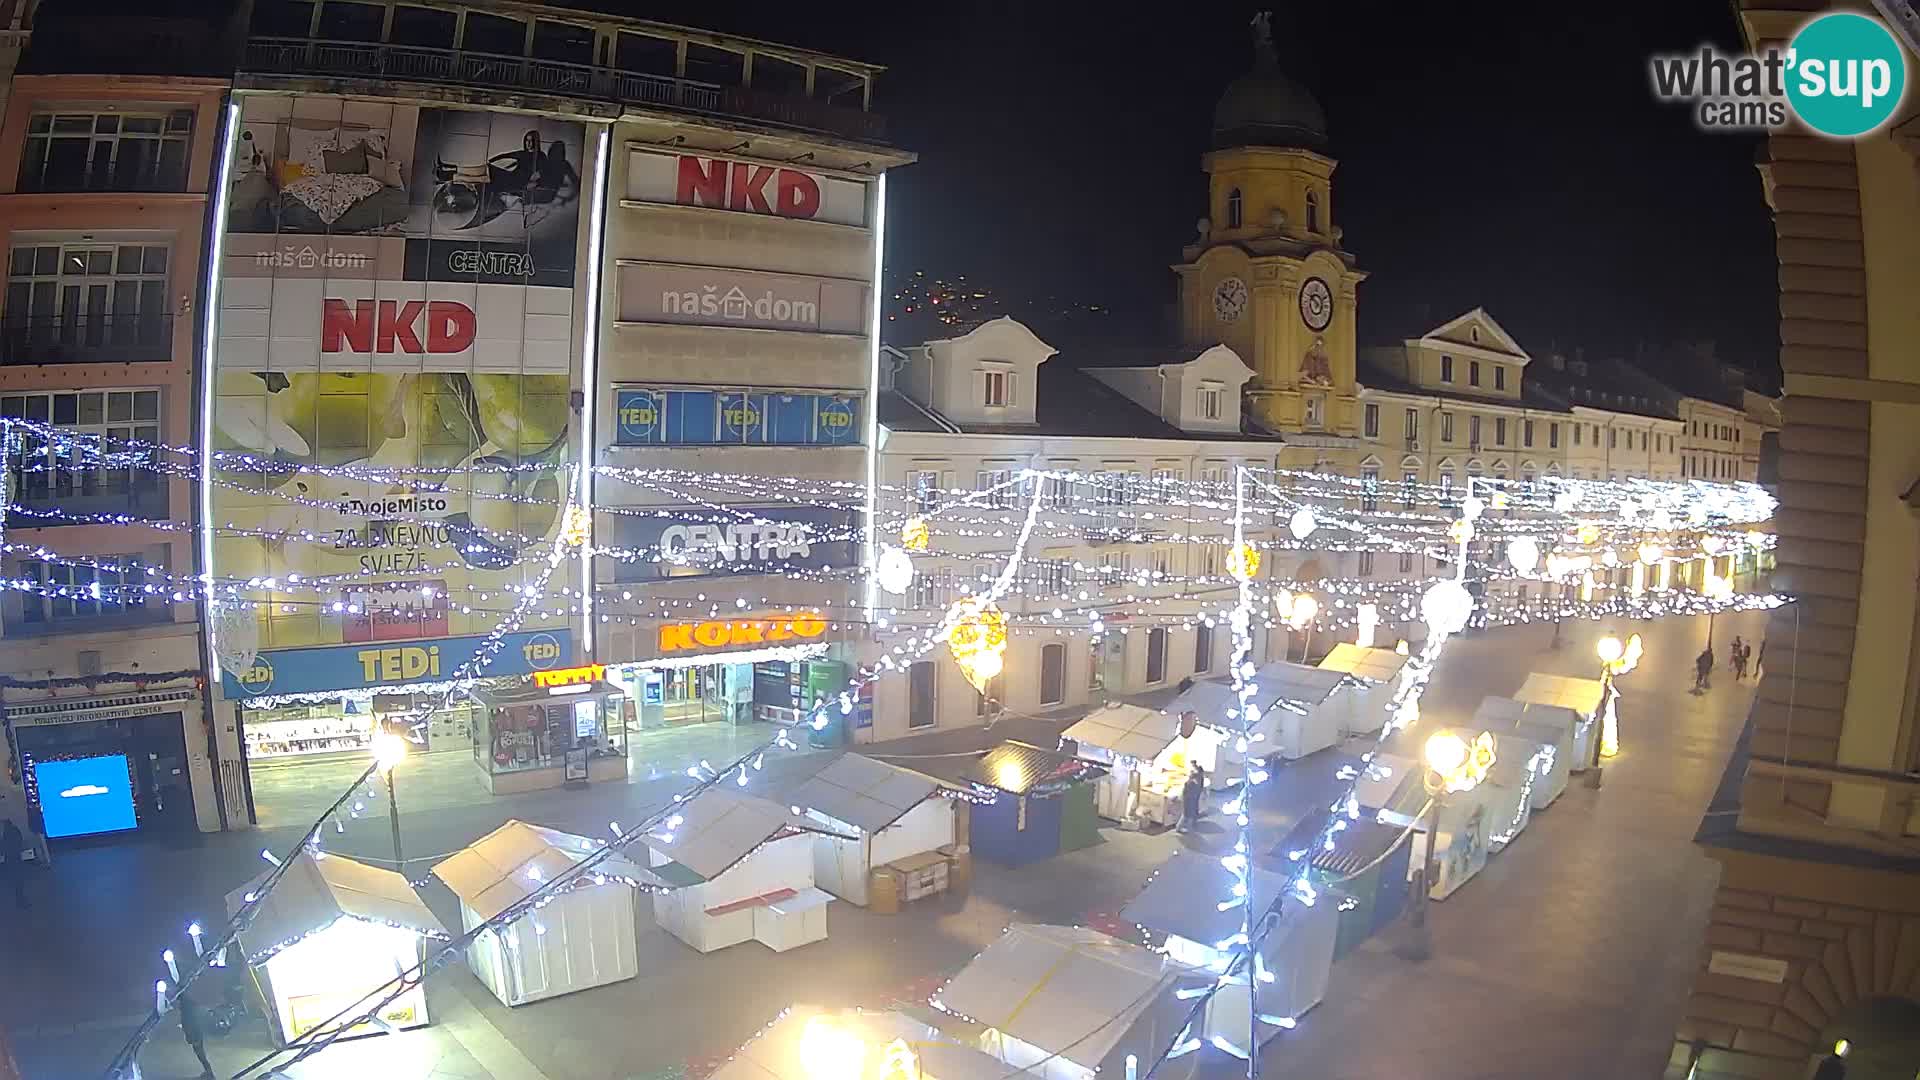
[[88, 661]]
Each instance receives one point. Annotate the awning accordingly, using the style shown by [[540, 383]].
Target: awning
[[1526, 720], [1126, 729], [1183, 897], [1581, 695], [317, 891], [1019, 769], [1377, 665], [719, 827], [505, 866], [867, 794]]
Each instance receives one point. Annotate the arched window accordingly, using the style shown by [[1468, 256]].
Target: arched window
[[1313, 211], [1233, 209]]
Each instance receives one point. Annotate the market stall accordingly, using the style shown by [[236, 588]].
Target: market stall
[[739, 868], [1067, 1003], [894, 814], [1148, 754], [807, 1043], [1377, 673], [1042, 803], [332, 931], [1182, 901], [582, 938], [1301, 708], [1582, 697], [1509, 795], [1366, 871], [1391, 789], [1542, 734]]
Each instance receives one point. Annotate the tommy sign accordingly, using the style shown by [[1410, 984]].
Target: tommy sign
[[716, 296], [745, 187]]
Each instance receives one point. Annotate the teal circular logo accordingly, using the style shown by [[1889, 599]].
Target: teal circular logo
[[1845, 74]]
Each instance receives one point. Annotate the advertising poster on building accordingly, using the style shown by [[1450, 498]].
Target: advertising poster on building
[[396, 335]]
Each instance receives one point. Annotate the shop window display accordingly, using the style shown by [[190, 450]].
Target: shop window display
[[529, 728]]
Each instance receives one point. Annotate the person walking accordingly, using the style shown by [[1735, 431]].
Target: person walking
[[1759, 663], [1703, 671], [1190, 795], [13, 849], [1733, 658], [193, 1025]]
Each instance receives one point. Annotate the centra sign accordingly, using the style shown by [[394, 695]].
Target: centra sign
[[719, 634]]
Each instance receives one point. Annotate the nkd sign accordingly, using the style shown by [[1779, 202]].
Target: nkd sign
[[389, 326], [715, 296], [745, 187]]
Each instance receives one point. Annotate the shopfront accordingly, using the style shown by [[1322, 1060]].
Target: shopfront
[[552, 728], [113, 764]]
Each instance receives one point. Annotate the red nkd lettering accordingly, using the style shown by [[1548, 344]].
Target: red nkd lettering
[[749, 188], [797, 195], [738, 185], [386, 326], [702, 182]]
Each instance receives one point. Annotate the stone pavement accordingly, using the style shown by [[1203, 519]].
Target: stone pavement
[[1568, 957]]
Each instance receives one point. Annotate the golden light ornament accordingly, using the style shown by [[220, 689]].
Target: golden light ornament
[[576, 526], [978, 640], [1460, 531], [899, 1062], [1455, 764], [1446, 753], [1498, 501], [914, 534], [1587, 534], [829, 1052], [1243, 562], [1650, 553]]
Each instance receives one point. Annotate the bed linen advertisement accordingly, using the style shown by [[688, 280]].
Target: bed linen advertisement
[[397, 294]]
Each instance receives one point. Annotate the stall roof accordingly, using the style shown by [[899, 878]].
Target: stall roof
[[719, 827], [505, 866], [867, 794], [1126, 729], [1580, 695], [1018, 769], [1068, 990], [1181, 898], [1379, 665], [1528, 720], [1390, 782], [1358, 847], [317, 891], [1209, 700], [1284, 680], [774, 1054]]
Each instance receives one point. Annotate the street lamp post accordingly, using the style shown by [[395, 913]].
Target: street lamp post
[[389, 749], [1452, 765], [1616, 658]]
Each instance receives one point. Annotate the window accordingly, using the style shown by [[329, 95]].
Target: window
[[1446, 427], [1235, 209], [1406, 562], [1553, 437], [1499, 431], [1596, 435], [1446, 369], [1446, 481], [1499, 376], [1053, 674], [925, 486], [1371, 421], [1209, 560], [1059, 493], [922, 677], [1114, 566], [115, 151], [1473, 373], [1313, 211], [1370, 488], [1409, 482], [101, 590], [1316, 407], [1162, 562], [1526, 433], [1473, 334], [1054, 576], [1157, 655], [993, 699], [703, 416], [996, 389], [1613, 438], [1366, 564], [87, 302], [1096, 666], [1413, 426], [995, 488], [932, 590], [1166, 484], [1473, 431], [1202, 649], [87, 476], [1209, 404], [1577, 429]]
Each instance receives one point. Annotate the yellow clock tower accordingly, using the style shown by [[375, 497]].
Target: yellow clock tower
[[1267, 276]]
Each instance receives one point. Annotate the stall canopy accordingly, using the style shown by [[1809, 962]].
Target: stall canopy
[[508, 864], [1580, 695], [866, 794], [1377, 665], [1132, 730], [1018, 768], [1391, 787], [1075, 994], [1543, 733], [318, 891], [718, 828], [1209, 700], [892, 1046], [1297, 714], [1184, 894]]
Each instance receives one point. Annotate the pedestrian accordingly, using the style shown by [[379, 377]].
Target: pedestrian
[[1746, 659], [13, 848], [193, 1025], [1733, 658], [1703, 671], [1190, 796], [1759, 662], [1834, 1065]]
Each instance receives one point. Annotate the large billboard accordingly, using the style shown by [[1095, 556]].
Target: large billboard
[[397, 335]]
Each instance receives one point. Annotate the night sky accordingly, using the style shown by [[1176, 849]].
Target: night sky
[[1500, 154]]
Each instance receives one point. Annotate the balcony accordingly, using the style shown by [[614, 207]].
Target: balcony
[[407, 63], [38, 505], [96, 339]]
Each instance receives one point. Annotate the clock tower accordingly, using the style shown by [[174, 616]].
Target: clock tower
[[1267, 276]]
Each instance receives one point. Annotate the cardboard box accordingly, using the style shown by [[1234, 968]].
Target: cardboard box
[[883, 891]]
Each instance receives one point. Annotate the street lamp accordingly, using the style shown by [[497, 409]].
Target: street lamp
[[1452, 765], [1616, 658], [389, 750]]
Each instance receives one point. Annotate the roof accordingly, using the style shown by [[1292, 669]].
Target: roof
[[867, 794], [775, 1054], [1385, 784], [505, 866], [719, 827], [1168, 905], [1379, 665], [1374, 377], [318, 890], [1580, 695], [1284, 680], [1067, 990], [1126, 729], [898, 412], [1019, 769], [1209, 699], [1604, 383], [1528, 720], [1266, 108], [1358, 846]]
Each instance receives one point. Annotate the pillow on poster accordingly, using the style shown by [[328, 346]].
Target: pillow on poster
[[386, 170], [306, 147], [351, 162]]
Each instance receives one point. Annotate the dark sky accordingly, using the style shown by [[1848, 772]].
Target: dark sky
[[1502, 154]]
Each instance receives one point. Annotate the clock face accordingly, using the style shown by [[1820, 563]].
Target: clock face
[[1230, 299], [1316, 304]]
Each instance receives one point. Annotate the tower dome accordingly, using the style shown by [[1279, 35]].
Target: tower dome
[[1266, 108]]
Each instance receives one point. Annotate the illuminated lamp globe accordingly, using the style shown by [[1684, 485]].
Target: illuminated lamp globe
[[1523, 554], [1650, 553], [1610, 557], [1610, 650], [1446, 607], [1661, 519], [1565, 500], [388, 750], [1472, 507], [828, 1052], [1446, 753], [1756, 539], [1712, 545], [1305, 607], [893, 571], [1301, 524]]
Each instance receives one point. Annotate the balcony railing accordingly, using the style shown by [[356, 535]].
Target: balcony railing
[[375, 60], [42, 505], [81, 339]]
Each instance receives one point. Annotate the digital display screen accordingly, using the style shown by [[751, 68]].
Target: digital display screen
[[85, 796]]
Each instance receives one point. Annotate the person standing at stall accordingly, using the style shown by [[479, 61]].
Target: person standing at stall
[[1190, 796]]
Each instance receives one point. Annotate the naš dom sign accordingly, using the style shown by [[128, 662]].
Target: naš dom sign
[[718, 633]]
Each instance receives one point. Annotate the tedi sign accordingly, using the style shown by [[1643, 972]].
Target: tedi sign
[[387, 326]]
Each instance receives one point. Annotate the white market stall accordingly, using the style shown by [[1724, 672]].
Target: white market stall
[[807, 1043], [582, 938], [1182, 901], [1065, 1003], [1582, 697], [1148, 755], [1300, 708], [893, 813], [1543, 734], [1378, 672], [1509, 795], [331, 932], [738, 868], [1392, 790]]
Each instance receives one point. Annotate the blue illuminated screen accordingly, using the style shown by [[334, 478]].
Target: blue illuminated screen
[[84, 796]]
